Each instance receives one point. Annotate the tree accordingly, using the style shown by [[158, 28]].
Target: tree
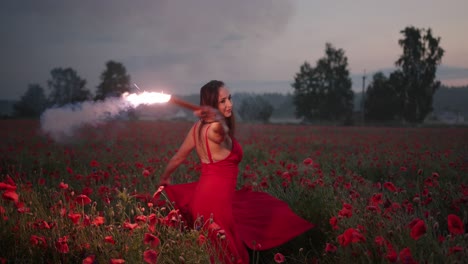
[[324, 92], [114, 81], [66, 87], [32, 103], [255, 108], [418, 66], [381, 102]]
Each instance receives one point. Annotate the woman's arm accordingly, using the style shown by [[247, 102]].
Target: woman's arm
[[178, 158], [218, 131]]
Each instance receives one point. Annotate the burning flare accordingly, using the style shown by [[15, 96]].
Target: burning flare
[[61, 122], [146, 98]]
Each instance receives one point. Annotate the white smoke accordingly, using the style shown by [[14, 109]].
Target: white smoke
[[61, 123]]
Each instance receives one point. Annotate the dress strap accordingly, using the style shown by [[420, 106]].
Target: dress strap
[[194, 129], [207, 145]]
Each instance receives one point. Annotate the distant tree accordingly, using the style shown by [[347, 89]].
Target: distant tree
[[114, 81], [255, 108], [66, 87], [324, 92], [32, 103], [381, 102], [418, 66], [307, 93]]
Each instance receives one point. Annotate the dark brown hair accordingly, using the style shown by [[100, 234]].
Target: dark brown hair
[[209, 94]]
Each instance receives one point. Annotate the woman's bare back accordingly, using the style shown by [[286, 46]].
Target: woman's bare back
[[218, 151]]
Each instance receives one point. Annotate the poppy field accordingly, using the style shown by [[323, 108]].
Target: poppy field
[[375, 194]]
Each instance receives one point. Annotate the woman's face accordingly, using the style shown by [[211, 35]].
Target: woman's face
[[224, 102]]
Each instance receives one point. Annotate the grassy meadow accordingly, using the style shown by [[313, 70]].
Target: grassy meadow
[[376, 195]]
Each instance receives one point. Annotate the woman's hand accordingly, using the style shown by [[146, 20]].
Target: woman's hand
[[208, 114]]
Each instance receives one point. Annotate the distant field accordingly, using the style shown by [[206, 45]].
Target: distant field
[[376, 195]]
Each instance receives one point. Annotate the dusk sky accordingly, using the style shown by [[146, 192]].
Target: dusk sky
[[175, 46]]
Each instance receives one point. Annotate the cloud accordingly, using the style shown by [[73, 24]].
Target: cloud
[[158, 41]]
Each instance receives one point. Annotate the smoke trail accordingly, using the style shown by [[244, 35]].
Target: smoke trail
[[61, 123]]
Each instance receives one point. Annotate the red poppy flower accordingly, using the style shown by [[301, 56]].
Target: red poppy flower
[[109, 239], [377, 199], [351, 235], [38, 241], [99, 220], [6, 186], [61, 245], [84, 246], [201, 239], [308, 161], [455, 249], [330, 248], [441, 239], [413, 222], [286, 175], [74, 217], [390, 186], [418, 229], [455, 224], [152, 219], [94, 164], [10, 195], [150, 256], [106, 200], [428, 182], [334, 222], [173, 218], [158, 192], [9, 180], [63, 186], [279, 258], [41, 224], [62, 212], [139, 165], [130, 225], [82, 199], [406, 257], [89, 259], [346, 211], [146, 173], [378, 185], [21, 208], [117, 261], [391, 255], [379, 240], [151, 239], [87, 191]]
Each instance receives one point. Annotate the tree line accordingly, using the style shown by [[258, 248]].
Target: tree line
[[321, 92], [65, 87], [324, 92]]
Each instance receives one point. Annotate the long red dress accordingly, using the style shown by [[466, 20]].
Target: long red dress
[[246, 218]]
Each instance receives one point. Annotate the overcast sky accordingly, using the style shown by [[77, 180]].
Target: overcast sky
[[253, 45]]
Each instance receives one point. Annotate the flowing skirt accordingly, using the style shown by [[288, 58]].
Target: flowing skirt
[[248, 218]]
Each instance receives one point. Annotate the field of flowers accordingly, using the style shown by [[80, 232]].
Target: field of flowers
[[376, 195]]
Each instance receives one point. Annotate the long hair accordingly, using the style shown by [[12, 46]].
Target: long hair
[[209, 94]]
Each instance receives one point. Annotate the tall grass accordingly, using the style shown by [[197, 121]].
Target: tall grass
[[363, 188]]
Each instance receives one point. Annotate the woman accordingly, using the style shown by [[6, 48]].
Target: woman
[[234, 219]]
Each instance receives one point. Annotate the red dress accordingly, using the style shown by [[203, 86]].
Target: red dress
[[245, 218]]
